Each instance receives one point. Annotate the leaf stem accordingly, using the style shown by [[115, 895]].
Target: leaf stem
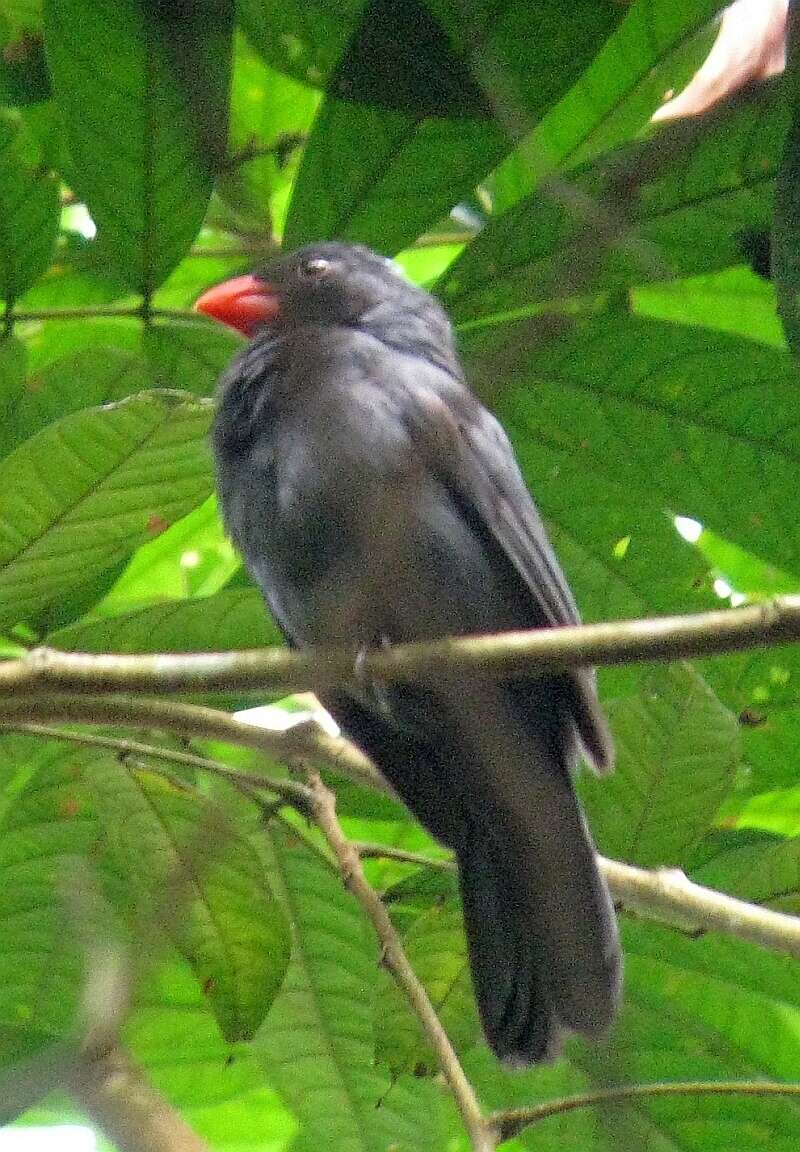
[[482, 1136]]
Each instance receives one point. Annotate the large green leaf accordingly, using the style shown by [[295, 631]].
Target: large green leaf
[[165, 839], [82, 494], [234, 618], [673, 206], [318, 1043], [28, 210], [621, 424], [49, 825], [655, 49], [674, 730], [638, 417], [144, 100], [423, 102]]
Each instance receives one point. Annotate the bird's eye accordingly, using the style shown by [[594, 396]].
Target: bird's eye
[[315, 269]]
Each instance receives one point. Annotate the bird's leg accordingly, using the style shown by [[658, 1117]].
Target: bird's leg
[[372, 690]]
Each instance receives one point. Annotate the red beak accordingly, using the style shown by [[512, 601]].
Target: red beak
[[245, 303]]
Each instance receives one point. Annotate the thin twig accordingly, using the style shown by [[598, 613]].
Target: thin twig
[[532, 653], [510, 1122], [291, 791], [369, 851], [665, 895], [481, 1134]]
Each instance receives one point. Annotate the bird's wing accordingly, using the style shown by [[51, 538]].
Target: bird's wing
[[467, 448]]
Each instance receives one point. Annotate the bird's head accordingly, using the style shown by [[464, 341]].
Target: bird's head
[[331, 283]]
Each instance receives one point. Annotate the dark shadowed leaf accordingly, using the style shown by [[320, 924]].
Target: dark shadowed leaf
[[421, 105], [144, 99], [170, 844], [28, 209]]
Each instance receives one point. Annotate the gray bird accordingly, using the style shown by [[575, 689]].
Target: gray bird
[[376, 501]]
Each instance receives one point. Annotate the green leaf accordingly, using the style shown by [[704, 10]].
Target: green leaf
[[656, 47], [220, 1090], [90, 377], [436, 949], [317, 1045], [674, 206], [49, 824], [756, 866], [59, 339], [228, 619], [190, 558], [83, 494], [644, 406], [304, 40], [164, 838], [145, 110], [673, 732], [28, 210], [735, 300]]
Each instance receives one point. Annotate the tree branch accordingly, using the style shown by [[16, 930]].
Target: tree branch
[[120, 1101], [532, 653], [482, 1136], [666, 895], [510, 1122], [300, 746]]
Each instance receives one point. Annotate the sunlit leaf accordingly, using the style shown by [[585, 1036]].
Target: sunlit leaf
[[28, 210], [83, 493]]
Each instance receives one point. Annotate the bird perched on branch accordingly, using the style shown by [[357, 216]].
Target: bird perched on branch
[[376, 501]]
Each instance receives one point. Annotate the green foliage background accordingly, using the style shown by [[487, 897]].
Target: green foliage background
[[602, 274]]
